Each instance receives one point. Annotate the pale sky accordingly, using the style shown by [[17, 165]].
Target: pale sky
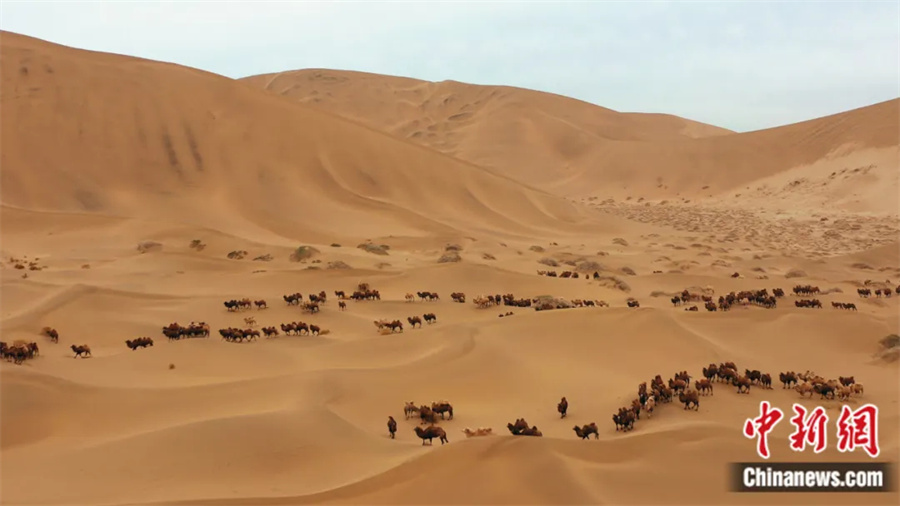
[[739, 65]]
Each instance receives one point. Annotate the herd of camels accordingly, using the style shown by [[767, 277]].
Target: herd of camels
[[649, 397]]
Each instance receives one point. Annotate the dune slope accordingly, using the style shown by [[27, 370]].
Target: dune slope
[[579, 149], [102, 133]]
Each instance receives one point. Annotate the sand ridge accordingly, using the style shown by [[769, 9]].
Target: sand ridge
[[272, 197]]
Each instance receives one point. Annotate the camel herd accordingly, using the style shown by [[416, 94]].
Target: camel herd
[[567, 274], [879, 292], [650, 395], [21, 350]]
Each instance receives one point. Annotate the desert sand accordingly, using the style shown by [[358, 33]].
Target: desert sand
[[112, 166]]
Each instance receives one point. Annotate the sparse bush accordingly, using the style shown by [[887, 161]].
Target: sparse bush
[[589, 267], [620, 241], [613, 282], [449, 256], [303, 253], [861, 265], [148, 246], [795, 273], [237, 255], [628, 270], [453, 247], [488, 256], [375, 249], [263, 258], [537, 249], [335, 245], [549, 261], [338, 265]]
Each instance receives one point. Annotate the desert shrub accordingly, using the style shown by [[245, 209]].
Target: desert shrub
[[148, 246], [613, 282], [795, 273], [589, 266], [303, 253], [375, 249], [449, 256]]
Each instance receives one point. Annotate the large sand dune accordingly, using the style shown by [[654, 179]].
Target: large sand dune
[[102, 152], [578, 149]]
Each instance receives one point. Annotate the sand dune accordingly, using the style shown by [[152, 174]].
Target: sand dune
[[576, 149], [188, 143], [87, 178]]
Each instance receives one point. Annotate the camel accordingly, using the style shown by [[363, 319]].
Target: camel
[[787, 378], [753, 375], [516, 428], [410, 297], [140, 342], [409, 409], [677, 385], [260, 304], [586, 431], [429, 318], [81, 350], [413, 320], [766, 381], [427, 415], [804, 388], [250, 321], [530, 431], [704, 387], [690, 397], [480, 431], [649, 406], [314, 330], [271, 331], [51, 333], [294, 299], [342, 305], [843, 393], [633, 303], [562, 407], [857, 388], [742, 383], [825, 390], [430, 433], [392, 426], [625, 420], [442, 407], [846, 381]]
